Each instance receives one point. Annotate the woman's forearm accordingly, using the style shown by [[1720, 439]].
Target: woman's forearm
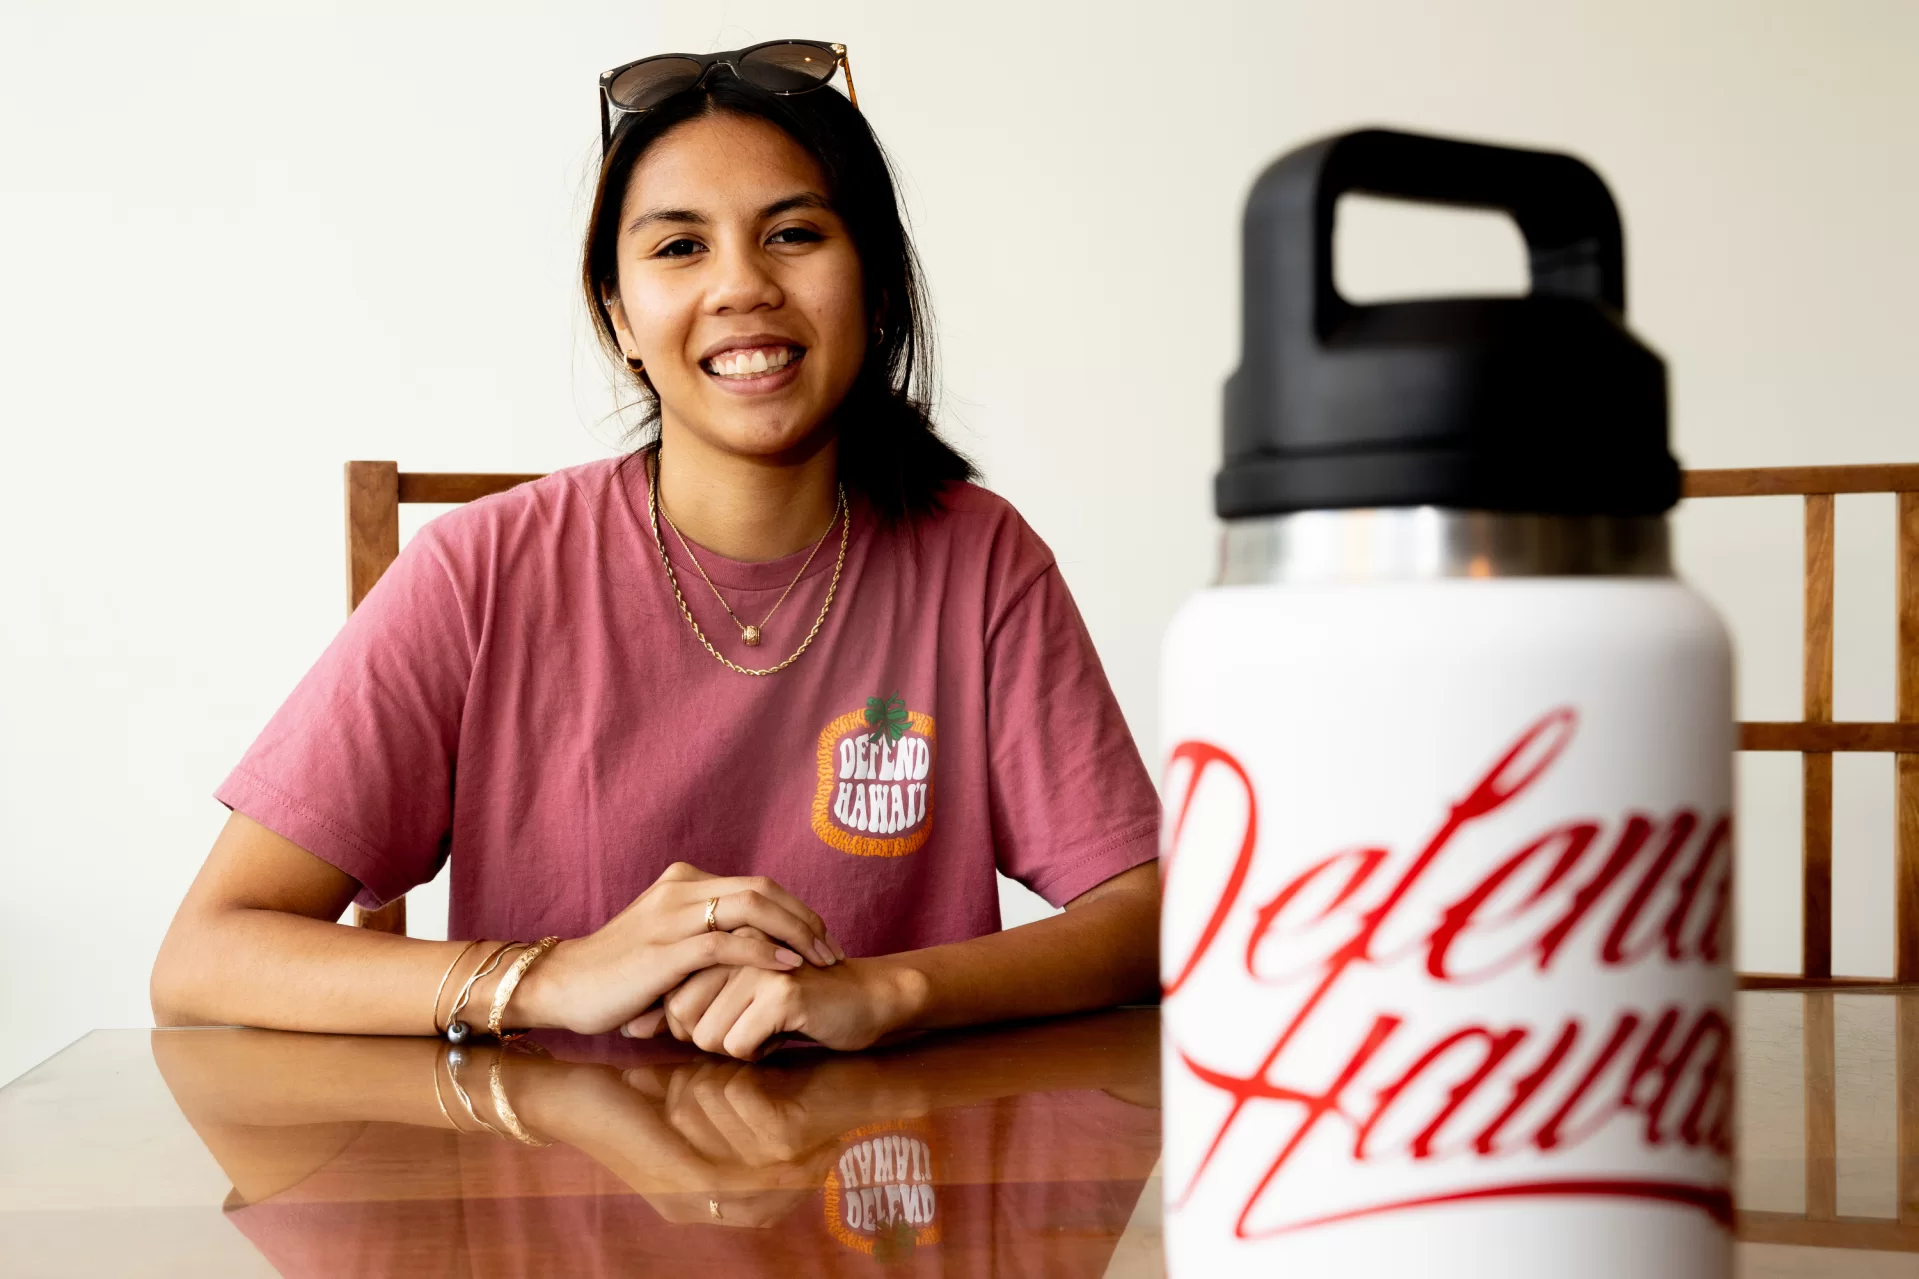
[[268, 968], [262, 1079], [253, 944], [1102, 950]]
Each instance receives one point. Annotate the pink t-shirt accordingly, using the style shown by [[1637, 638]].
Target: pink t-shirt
[[520, 694]]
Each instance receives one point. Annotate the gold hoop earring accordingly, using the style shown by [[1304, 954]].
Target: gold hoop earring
[[638, 366]]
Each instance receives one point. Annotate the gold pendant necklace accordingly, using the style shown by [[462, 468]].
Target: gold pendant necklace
[[750, 634]]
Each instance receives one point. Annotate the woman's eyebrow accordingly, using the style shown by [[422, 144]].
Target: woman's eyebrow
[[667, 215], [804, 200]]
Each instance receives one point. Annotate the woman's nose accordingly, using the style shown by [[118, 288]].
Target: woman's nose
[[743, 282]]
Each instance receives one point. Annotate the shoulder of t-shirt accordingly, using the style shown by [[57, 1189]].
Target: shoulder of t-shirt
[[981, 522]]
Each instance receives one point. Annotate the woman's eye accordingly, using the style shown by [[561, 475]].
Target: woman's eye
[[800, 234], [678, 248]]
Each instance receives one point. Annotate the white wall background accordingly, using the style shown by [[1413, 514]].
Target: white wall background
[[240, 244]]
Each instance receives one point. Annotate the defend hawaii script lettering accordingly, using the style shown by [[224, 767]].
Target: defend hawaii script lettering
[[1455, 1099]]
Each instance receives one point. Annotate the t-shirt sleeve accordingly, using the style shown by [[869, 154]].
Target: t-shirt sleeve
[[357, 766], [1072, 804]]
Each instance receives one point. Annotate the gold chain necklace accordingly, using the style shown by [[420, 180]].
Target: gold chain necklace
[[750, 634], [841, 515]]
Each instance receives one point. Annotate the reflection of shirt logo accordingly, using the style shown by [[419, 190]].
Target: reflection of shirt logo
[[875, 791], [879, 1197]]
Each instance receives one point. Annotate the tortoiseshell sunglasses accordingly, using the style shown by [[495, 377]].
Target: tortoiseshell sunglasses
[[778, 66]]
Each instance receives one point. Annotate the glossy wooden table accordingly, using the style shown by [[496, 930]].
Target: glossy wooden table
[[1022, 1151]]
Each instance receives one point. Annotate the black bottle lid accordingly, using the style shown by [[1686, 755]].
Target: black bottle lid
[[1545, 403]]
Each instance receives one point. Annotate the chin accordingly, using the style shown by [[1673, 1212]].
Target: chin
[[769, 439]]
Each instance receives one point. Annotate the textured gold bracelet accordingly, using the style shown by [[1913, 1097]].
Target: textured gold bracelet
[[504, 1109], [511, 981]]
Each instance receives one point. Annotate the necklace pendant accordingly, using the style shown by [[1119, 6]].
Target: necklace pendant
[[751, 636]]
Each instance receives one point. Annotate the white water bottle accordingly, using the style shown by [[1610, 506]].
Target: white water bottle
[[1447, 934]]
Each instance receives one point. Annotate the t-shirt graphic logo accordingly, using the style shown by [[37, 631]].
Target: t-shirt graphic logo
[[875, 796], [880, 1198]]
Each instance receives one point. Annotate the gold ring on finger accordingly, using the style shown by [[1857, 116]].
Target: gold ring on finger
[[712, 914], [713, 1208]]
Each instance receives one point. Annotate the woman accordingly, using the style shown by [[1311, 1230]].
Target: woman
[[746, 720]]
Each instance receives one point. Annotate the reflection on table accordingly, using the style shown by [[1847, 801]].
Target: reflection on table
[[1017, 1151], [1829, 1131]]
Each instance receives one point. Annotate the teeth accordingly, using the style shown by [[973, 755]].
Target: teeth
[[750, 363]]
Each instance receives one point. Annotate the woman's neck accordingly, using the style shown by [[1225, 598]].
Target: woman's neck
[[747, 508]]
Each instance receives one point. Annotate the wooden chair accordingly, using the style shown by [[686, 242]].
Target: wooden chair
[[374, 492], [1817, 737]]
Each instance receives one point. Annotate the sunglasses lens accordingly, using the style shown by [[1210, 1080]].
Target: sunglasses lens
[[652, 82], [788, 68]]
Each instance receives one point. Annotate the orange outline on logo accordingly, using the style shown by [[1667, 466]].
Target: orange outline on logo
[[869, 845]]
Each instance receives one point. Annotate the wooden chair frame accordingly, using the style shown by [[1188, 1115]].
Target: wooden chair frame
[[374, 493], [1817, 737]]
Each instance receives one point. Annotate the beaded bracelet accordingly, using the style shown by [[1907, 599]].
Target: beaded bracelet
[[457, 1030], [444, 977], [440, 1101]]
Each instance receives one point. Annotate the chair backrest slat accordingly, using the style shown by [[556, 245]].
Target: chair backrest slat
[[1798, 481], [372, 525], [1906, 762], [374, 492], [1815, 767], [449, 487]]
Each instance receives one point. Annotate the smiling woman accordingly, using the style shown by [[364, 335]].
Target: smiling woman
[[540, 695], [789, 198]]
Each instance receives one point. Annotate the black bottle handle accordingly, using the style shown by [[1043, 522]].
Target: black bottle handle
[[1567, 216]]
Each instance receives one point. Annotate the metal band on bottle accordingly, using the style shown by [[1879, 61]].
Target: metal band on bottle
[[1429, 542]]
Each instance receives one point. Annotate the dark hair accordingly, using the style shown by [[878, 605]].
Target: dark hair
[[890, 452]]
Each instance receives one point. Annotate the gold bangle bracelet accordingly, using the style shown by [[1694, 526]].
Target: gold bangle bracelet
[[454, 1060], [504, 1109], [511, 981], [444, 978]]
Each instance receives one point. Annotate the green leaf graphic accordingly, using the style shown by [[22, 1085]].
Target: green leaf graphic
[[888, 716]]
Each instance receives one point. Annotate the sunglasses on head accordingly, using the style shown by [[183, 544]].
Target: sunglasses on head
[[778, 66]]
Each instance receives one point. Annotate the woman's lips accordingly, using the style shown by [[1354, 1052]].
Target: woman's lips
[[760, 383]]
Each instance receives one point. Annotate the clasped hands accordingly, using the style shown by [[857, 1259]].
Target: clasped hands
[[708, 1141], [771, 969]]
